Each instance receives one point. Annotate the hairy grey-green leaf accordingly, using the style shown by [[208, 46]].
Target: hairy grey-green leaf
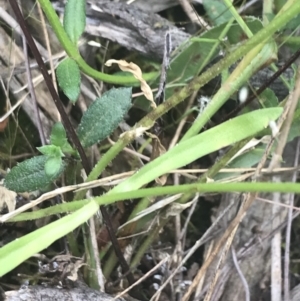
[[104, 115], [30, 175], [74, 19], [68, 76]]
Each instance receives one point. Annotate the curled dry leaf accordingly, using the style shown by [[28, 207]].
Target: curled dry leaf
[[137, 73], [74, 270], [8, 198]]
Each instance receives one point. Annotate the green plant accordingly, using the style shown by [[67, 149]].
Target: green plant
[[104, 115], [97, 123], [68, 35]]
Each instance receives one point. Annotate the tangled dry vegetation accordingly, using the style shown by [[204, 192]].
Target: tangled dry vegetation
[[209, 246]]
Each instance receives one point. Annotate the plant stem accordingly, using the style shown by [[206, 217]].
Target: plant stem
[[287, 187], [101, 165], [73, 52]]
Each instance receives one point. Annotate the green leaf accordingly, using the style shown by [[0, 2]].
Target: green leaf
[[185, 152], [246, 160], [68, 76], [58, 134], [217, 11], [103, 116], [74, 19], [58, 137], [237, 35], [68, 149], [51, 150], [30, 175], [52, 166], [268, 98], [17, 251]]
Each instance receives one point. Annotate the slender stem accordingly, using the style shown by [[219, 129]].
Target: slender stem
[[32, 93], [73, 52], [101, 164], [238, 18], [287, 187], [267, 11]]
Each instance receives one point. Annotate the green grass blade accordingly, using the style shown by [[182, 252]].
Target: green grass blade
[[17, 251], [200, 145]]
